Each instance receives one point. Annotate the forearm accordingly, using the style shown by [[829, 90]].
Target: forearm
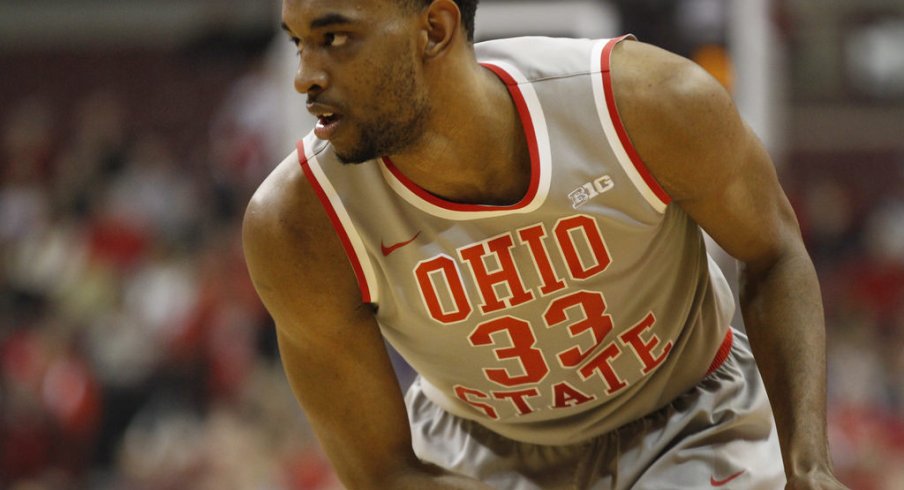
[[370, 448], [783, 313]]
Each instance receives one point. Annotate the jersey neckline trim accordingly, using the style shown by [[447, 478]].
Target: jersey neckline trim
[[534, 123]]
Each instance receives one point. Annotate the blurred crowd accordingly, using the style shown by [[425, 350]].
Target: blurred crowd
[[134, 353], [851, 209]]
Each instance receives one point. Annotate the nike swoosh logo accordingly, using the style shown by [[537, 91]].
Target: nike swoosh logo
[[722, 483], [392, 248]]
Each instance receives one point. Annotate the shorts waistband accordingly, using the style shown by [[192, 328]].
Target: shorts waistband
[[722, 353]]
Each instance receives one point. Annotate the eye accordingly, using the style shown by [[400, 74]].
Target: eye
[[297, 43], [335, 40]]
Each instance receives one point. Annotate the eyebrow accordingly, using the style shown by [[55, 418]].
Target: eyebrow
[[323, 21]]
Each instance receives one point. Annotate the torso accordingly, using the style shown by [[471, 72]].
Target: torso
[[586, 304]]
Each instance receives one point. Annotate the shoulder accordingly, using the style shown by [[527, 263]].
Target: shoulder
[[681, 120], [291, 249], [273, 223], [274, 208], [652, 83], [285, 210]]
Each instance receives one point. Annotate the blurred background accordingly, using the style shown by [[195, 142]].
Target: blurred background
[[134, 353]]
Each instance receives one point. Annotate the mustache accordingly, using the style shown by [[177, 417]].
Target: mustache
[[317, 99]]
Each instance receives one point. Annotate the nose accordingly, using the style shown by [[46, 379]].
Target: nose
[[310, 77]]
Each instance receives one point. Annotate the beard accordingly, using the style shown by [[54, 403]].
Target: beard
[[385, 132], [384, 136]]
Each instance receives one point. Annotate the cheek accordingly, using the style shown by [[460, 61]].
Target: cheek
[[366, 77], [380, 90], [385, 82]]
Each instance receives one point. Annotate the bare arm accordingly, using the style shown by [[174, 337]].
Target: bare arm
[[688, 132], [331, 347]]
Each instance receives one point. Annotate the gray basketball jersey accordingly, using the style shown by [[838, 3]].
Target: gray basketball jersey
[[589, 303]]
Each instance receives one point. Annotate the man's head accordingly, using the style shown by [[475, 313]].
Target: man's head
[[368, 67]]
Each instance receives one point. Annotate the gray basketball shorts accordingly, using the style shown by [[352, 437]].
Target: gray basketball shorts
[[719, 434]]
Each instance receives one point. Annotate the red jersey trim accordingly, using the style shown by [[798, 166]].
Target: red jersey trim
[[527, 124], [336, 222], [722, 353], [646, 175]]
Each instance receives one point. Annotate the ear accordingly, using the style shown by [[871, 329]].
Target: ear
[[442, 22]]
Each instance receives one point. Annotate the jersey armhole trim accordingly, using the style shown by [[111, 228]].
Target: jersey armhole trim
[[627, 154], [335, 210]]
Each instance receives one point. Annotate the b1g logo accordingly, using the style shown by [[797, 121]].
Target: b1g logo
[[588, 191]]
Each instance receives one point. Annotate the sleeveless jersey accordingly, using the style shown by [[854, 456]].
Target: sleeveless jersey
[[589, 303]]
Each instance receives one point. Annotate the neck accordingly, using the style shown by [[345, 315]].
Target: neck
[[474, 149]]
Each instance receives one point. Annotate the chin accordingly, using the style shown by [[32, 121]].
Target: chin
[[354, 157]]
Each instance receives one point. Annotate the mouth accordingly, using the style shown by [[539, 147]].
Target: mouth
[[326, 125], [327, 118], [328, 121]]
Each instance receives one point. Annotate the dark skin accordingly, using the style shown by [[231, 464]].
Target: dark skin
[[724, 180]]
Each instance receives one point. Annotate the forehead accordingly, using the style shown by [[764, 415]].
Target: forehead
[[300, 14]]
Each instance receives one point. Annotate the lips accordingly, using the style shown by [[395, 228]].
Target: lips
[[326, 126], [328, 120]]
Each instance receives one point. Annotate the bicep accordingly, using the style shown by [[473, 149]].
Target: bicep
[[687, 130], [749, 214], [331, 347]]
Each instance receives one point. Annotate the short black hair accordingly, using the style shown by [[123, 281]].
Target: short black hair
[[468, 10]]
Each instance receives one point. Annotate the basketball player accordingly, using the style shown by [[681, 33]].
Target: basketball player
[[522, 220]]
